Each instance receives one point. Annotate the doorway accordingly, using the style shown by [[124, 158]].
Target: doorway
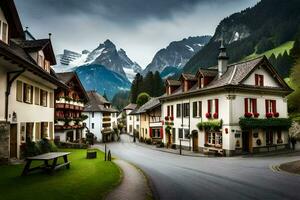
[[195, 140], [13, 141], [245, 138], [70, 136]]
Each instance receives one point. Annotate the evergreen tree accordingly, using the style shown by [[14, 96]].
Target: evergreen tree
[[158, 85], [105, 96], [136, 87], [148, 84], [293, 99]]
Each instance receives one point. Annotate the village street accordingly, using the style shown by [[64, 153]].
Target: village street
[[182, 177]]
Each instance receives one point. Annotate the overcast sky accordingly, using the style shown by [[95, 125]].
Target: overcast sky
[[140, 27]]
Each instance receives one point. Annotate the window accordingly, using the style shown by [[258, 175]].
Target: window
[[174, 135], [279, 137], [47, 66], [44, 129], [156, 133], [170, 110], [4, 31], [270, 106], [186, 133], [186, 110], [130, 128], [178, 110], [213, 106], [51, 130], [250, 105], [214, 138], [22, 132], [269, 137], [43, 98], [29, 131], [37, 131], [180, 133], [28, 93], [36, 96], [41, 61], [197, 109], [93, 125], [92, 114], [137, 118], [130, 118], [51, 100], [19, 91], [259, 80]]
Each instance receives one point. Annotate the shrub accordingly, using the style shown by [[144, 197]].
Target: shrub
[[29, 149], [46, 146], [210, 125], [148, 141]]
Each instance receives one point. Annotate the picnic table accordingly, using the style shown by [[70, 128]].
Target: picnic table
[[47, 166]]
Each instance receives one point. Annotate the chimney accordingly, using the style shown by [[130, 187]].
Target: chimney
[[50, 34], [222, 59]]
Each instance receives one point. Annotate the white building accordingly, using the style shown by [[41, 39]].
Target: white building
[[233, 109], [27, 85], [101, 116], [129, 118]]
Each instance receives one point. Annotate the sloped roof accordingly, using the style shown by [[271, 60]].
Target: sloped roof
[[152, 103], [98, 103], [234, 76], [207, 72], [189, 77], [172, 82], [130, 106]]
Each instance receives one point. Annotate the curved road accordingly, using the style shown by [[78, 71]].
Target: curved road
[[183, 177]]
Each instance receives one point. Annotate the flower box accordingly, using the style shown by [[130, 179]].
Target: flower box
[[216, 115], [166, 118], [256, 115], [248, 115], [276, 114], [269, 115], [171, 118], [208, 115], [60, 123]]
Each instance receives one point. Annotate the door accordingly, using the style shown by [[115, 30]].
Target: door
[[13, 141], [70, 136], [245, 136], [195, 140]]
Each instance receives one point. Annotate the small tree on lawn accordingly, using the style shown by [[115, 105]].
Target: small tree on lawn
[[142, 99], [295, 130]]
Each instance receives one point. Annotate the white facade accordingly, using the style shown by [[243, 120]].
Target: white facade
[[94, 124]]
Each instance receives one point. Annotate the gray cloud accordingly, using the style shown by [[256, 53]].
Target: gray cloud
[[141, 27]]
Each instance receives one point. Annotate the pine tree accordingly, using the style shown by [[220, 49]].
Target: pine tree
[[158, 85]]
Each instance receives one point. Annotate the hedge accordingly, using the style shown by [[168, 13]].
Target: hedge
[[246, 123]]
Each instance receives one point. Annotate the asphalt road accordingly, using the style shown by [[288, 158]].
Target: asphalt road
[[182, 177]]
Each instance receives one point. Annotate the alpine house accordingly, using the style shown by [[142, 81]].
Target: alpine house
[[230, 109]]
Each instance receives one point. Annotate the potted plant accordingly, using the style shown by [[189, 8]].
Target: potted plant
[[216, 115], [172, 118], [269, 115], [256, 115], [248, 115], [208, 115], [276, 114]]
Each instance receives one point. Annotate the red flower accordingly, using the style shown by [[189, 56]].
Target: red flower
[[256, 115], [269, 115], [208, 115], [276, 114], [171, 118], [216, 115], [167, 118], [248, 114]]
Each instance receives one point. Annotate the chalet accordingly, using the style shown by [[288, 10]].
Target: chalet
[[230, 109], [69, 105], [150, 120], [27, 84], [101, 116], [130, 119]]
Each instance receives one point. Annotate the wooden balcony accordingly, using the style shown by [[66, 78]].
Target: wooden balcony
[[67, 106]]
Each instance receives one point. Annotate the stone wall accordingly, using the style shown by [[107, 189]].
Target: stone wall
[[4, 142]]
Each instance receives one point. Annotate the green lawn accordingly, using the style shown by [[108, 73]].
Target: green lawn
[[86, 179], [278, 50]]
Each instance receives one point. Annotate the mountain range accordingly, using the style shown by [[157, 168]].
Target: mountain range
[[268, 25], [172, 59]]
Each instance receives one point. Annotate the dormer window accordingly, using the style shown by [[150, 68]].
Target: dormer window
[[201, 82], [259, 80], [4, 31], [41, 61], [47, 66]]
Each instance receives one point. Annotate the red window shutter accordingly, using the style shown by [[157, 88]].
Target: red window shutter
[[172, 111], [217, 105], [267, 106], [254, 101], [274, 106], [168, 111], [162, 133], [261, 80], [256, 79], [208, 106], [246, 105], [150, 132]]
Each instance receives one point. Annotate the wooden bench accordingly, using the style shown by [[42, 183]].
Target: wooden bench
[[47, 166], [213, 151]]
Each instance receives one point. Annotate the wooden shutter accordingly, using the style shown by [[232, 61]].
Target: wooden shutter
[[162, 133], [261, 80], [168, 111], [195, 109], [246, 105], [37, 131], [51, 96], [267, 106], [274, 106], [51, 132], [178, 110], [172, 111], [37, 96], [209, 106], [150, 132], [217, 105], [254, 105], [19, 91], [200, 109], [256, 79]]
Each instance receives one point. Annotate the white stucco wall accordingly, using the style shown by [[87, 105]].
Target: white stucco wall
[[97, 120], [268, 79]]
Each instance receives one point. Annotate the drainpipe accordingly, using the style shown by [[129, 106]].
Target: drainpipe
[[190, 123], [10, 78]]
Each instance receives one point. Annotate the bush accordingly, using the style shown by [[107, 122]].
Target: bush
[[148, 141], [173, 146], [29, 149], [46, 146], [69, 145]]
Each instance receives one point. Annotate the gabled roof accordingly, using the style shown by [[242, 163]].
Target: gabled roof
[[38, 45], [130, 106], [235, 75], [189, 77], [98, 103], [151, 104], [172, 82], [11, 14], [207, 72], [66, 77]]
